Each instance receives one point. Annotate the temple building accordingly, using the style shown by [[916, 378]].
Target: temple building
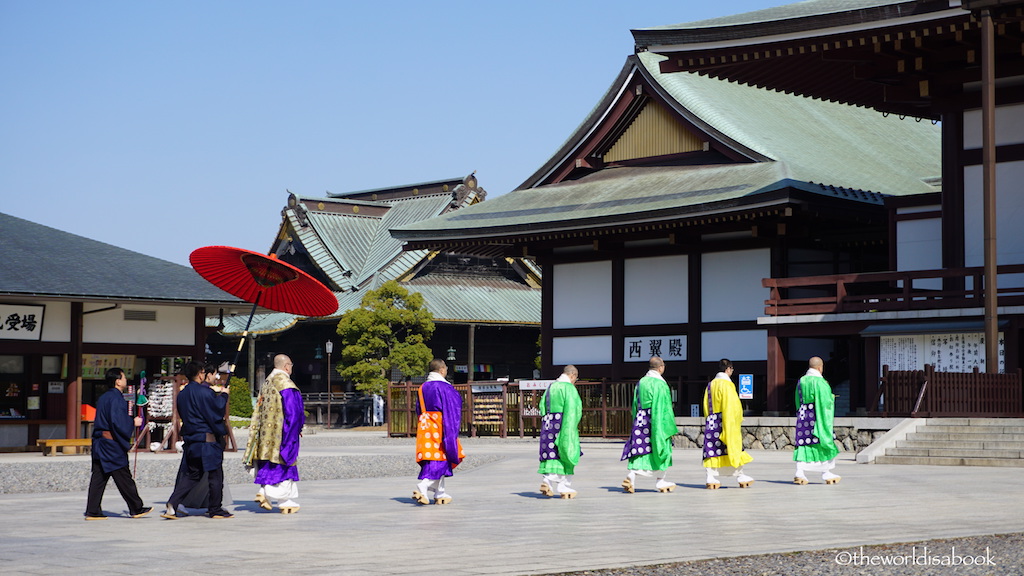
[[486, 309], [72, 308], [659, 219], [953, 292]]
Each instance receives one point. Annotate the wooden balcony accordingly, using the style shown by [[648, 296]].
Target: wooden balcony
[[889, 291]]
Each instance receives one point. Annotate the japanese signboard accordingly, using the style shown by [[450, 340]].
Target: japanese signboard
[[954, 352], [641, 348], [534, 384], [95, 366], [21, 322]]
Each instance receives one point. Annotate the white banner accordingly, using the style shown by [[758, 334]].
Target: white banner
[[641, 348], [21, 322]]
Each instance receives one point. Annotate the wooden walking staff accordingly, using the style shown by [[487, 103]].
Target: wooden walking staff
[[245, 334], [141, 433]]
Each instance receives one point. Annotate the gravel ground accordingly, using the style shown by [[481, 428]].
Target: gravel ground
[[994, 555], [57, 475]]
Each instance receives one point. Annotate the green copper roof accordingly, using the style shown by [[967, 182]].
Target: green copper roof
[[356, 252], [786, 12], [800, 143]]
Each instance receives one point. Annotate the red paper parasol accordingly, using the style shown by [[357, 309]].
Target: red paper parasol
[[264, 281]]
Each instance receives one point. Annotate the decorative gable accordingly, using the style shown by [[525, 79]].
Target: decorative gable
[[653, 132]]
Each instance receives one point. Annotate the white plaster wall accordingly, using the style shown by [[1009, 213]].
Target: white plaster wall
[[656, 290], [731, 284], [734, 345], [581, 350], [174, 325], [1009, 126], [582, 295], [1009, 216], [56, 321], [919, 247]]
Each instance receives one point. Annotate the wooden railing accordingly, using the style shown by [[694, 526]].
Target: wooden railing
[[885, 291], [334, 397], [927, 393], [607, 409]]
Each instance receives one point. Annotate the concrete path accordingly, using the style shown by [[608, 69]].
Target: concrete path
[[500, 524]]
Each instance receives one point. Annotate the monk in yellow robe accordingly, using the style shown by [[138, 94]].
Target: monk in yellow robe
[[723, 435]]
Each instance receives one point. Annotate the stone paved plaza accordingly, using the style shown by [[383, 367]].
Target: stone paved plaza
[[499, 523]]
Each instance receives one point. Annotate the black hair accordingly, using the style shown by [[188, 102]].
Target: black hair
[[113, 375], [192, 370]]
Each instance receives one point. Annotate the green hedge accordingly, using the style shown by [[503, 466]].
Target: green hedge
[[240, 401]]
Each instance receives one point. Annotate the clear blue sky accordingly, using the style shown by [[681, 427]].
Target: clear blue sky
[[161, 127]]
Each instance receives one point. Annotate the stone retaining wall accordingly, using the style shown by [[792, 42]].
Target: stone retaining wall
[[776, 433]]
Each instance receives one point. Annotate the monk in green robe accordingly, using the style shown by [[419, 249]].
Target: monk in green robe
[[561, 410], [723, 434], [816, 448], [649, 448]]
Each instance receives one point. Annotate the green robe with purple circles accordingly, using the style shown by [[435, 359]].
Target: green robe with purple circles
[[816, 390], [565, 399], [654, 393]]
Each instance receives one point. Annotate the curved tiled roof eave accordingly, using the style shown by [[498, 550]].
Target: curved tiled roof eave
[[788, 22]]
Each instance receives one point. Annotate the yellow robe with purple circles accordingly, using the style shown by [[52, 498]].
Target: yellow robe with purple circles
[[724, 399]]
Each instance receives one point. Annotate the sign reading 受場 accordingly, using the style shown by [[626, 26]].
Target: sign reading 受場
[[21, 322]]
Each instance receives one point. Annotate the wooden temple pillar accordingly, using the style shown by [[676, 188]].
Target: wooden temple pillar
[[775, 376]]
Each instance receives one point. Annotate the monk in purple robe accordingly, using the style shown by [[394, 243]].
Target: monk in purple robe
[[273, 449], [438, 450]]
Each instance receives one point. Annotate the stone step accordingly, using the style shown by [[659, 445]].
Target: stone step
[[910, 443], [974, 429], [995, 444], [976, 421], [929, 435], [953, 452], [945, 461]]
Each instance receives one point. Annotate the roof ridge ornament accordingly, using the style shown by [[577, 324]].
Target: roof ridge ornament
[[462, 191]]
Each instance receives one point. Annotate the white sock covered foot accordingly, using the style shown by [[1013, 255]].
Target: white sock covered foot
[[664, 485], [711, 482]]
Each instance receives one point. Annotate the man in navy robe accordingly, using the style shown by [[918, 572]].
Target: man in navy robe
[[202, 428], [111, 440]]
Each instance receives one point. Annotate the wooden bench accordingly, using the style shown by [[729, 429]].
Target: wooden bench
[[54, 443]]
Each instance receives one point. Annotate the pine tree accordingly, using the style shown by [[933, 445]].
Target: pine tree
[[387, 332]]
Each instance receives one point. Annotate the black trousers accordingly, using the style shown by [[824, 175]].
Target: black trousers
[[125, 485], [193, 474]]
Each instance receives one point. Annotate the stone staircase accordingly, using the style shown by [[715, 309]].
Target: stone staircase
[[960, 442]]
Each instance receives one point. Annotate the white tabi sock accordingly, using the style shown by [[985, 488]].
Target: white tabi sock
[[424, 485], [439, 488], [565, 484], [712, 475]]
